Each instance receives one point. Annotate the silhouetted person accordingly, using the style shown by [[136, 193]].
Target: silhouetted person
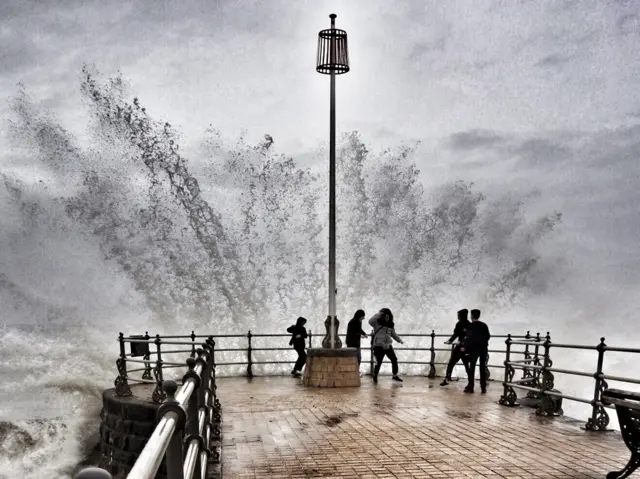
[[355, 332], [476, 345], [298, 337], [459, 333], [382, 342]]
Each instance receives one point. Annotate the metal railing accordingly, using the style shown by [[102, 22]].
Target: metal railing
[[144, 347], [189, 417], [538, 379]]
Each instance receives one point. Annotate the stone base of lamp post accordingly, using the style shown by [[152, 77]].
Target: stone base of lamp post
[[332, 368]]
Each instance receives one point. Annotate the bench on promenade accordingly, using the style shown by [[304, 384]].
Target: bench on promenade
[[627, 405]]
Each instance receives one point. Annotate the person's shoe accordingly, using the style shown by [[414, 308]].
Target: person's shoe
[[397, 378], [375, 379], [483, 390], [444, 382], [295, 373], [468, 390]]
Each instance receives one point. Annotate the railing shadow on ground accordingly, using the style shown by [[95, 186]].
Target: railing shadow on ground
[[195, 405]]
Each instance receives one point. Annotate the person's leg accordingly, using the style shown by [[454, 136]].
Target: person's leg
[[473, 358], [378, 353], [456, 354], [391, 354], [483, 371], [302, 358], [359, 356]]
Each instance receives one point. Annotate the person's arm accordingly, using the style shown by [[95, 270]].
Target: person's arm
[[362, 333], [488, 333], [290, 329], [303, 333], [393, 334], [456, 334]]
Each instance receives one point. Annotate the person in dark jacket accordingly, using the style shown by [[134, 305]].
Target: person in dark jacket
[[298, 337], [459, 333], [355, 332], [476, 345]]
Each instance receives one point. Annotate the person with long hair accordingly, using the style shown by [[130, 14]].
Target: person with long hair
[[382, 342]]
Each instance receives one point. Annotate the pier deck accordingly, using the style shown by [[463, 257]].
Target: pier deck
[[274, 427]]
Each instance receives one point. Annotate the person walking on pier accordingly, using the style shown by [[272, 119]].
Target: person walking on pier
[[476, 345], [459, 333], [298, 341], [382, 342], [355, 333]]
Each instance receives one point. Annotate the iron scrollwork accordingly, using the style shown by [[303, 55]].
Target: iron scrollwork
[[121, 383], [147, 366], [600, 413], [158, 394], [509, 397]]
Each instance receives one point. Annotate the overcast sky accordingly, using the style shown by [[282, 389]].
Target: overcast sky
[[510, 94]]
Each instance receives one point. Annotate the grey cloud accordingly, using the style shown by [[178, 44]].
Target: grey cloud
[[473, 139]]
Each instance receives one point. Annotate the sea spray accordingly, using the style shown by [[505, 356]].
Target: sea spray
[[127, 235]]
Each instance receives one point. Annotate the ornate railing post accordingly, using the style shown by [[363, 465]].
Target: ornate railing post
[[158, 394], [509, 396], [535, 383], [193, 344], [216, 409], [193, 425], [174, 455], [249, 360], [547, 406], [147, 357], [599, 419], [432, 360], [121, 383], [526, 370]]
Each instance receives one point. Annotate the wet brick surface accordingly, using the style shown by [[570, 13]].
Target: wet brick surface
[[274, 427]]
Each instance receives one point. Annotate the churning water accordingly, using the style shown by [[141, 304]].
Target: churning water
[[126, 235]]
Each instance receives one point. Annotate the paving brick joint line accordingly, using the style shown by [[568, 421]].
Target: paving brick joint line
[[275, 427]]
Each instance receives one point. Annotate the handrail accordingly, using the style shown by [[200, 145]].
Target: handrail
[[544, 390], [141, 345], [195, 399]]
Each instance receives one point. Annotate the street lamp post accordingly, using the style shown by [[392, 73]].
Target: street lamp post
[[332, 59]]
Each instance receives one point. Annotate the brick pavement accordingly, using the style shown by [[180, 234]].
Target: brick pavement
[[274, 427]]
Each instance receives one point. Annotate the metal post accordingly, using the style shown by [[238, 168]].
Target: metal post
[[310, 336], [193, 425], [332, 190], [599, 419], [509, 396], [121, 383], [249, 361], [147, 357], [432, 360], [158, 394], [547, 406], [174, 455]]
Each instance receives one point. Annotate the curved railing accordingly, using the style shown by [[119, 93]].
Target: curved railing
[[188, 421], [144, 347], [539, 382]]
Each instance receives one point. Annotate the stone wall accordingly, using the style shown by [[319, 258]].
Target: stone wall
[[127, 424], [331, 368]]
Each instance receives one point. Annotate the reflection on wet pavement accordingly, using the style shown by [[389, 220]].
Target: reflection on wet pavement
[[277, 428]]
